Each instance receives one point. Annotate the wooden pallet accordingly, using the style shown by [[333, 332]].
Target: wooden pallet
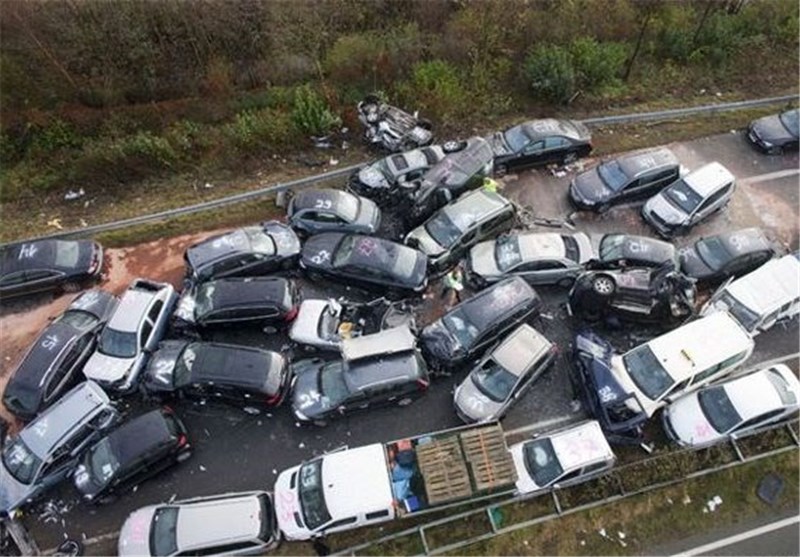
[[443, 468], [488, 458]]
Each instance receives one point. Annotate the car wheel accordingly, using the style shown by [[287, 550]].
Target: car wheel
[[453, 146], [566, 282], [71, 287], [405, 401], [604, 285], [569, 158]]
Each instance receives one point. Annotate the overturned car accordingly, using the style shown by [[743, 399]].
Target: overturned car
[[638, 294], [392, 128], [323, 324]]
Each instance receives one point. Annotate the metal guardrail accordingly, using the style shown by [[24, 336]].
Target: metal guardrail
[[615, 475], [342, 172]]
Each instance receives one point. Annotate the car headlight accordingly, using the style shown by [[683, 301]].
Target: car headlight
[[766, 143]]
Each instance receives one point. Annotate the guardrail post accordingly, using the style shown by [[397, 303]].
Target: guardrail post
[[737, 449], [421, 531], [793, 434], [556, 501], [490, 514]]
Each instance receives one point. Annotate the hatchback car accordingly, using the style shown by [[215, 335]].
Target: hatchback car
[[227, 524], [448, 234], [235, 374], [503, 375], [689, 200], [367, 262], [712, 259], [636, 294], [777, 133], [538, 257], [464, 332], [139, 322], [329, 210], [391, 128], [47, 450], [562, 458], [626, 178], [622, 250], [734, 407], [390, 178], [624, 390], [54, 361], [540, 142], [253, 250], [375, 370], [137, 449], [452, 176], [46, 265], [324, 324], [236, 301]]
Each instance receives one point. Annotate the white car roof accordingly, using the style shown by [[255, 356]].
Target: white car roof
[[216, 521], [700, 344], [540, 245], [773, 284], [131, 310], [754, 394], [521, 349], [390, 341], [581, 445], [356, 481], [473, 206], [707, 179]]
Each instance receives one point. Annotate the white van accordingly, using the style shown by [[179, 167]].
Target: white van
[[761, 298]]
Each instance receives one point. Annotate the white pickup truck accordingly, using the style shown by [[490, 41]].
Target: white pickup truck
[[379, 482]]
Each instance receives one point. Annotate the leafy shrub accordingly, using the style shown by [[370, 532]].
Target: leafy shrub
[[187, 137], [549, 72], [253, 130], [311, 114], [435, 88], [58, 134], [353, 60], [597, 65]]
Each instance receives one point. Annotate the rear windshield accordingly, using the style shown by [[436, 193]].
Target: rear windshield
[[67, 253], [747, 317], [612, 175], [683, 197], [494, 381], [718, 409], [507, 253], [20, 461], [541, 462], [103, 463], [163, 538]]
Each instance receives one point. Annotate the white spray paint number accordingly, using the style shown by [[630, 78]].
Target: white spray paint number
[[27, 251]]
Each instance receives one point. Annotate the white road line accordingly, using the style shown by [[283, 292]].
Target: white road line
[[730, 540], [769, 176]]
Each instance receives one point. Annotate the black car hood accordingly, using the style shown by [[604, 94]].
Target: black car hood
[[771, 129], [318, 250], [306, 397], [439, 343], [159, 374], [692, 265], [596, 352], [589, 187]]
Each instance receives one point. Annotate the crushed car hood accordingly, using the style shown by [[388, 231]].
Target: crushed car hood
[[661, 207], [473, 403], [305, 327], [498, 144], [482, 261], [424, 242], [372, 177], [438, 341]]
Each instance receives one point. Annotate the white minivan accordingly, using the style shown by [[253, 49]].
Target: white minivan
[[761, 298]]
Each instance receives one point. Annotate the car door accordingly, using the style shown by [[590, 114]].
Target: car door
[[715, 201], [65, 371], [530, 155], [556, 148], [13, 283], [650, 183], [40, 280]]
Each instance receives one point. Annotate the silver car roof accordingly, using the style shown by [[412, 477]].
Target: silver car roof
[[390, 341], [521, 349]]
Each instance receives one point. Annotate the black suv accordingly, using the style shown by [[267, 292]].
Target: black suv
[[135, 450], [236, 301], [239, 375], [55, 359], [375, 370], [637, 294], [465, 331]]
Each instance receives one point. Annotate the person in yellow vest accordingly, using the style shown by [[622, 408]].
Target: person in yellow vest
[[490, 184], [453, 284]]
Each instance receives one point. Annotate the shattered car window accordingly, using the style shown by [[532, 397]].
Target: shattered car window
[[541, 462], [682, 196], [647, 372], [507, 253]]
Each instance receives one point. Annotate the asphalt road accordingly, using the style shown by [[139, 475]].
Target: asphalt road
[[235, 450]]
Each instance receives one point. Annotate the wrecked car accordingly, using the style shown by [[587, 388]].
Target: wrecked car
[[637, 294], [617, 250], [324, 324], [381, 369], [392, 128], [391, 178], [331, 210]]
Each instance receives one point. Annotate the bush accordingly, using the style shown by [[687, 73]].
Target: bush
[[58, 134], [549, 72], [435, 88], [597, 65], [311, 114], [254, 130]]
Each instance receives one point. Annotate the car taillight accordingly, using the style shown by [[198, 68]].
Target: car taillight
[[292, 313], [182, 440], [274, 399], [422, 384]]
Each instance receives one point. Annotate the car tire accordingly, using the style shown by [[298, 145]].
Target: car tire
[[71, 287], [425, 124], [405, 401], [603, 285], [569, 158], [453, 146], [566, 282]]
